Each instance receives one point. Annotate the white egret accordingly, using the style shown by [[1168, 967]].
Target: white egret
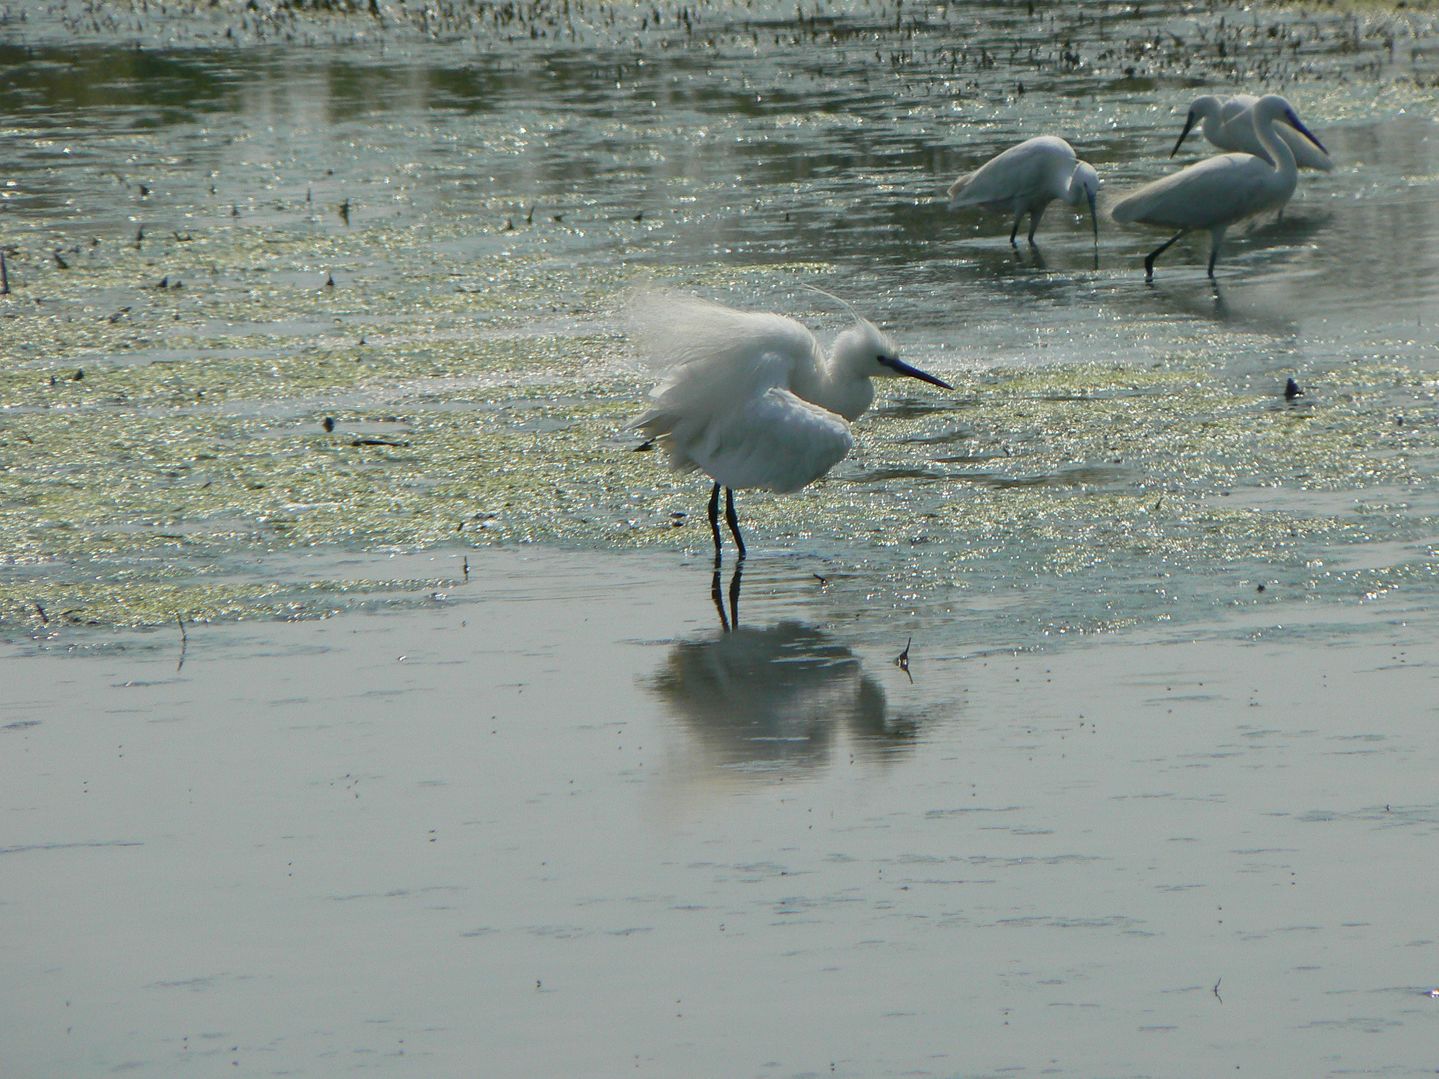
[[750, 399], [1218, 191], [1229, 125], [1026, 178]]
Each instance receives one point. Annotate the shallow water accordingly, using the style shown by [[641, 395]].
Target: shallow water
[[1113, 454], [557, 823]]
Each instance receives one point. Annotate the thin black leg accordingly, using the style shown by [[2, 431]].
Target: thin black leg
[[1013, 232], [714, 523], [1034, 216], [733, 519], [1149, 260], [1213, 257]]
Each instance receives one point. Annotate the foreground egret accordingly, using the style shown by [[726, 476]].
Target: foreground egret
[[1229, 125], [751, 399], [1218, 191], [1026, 178]]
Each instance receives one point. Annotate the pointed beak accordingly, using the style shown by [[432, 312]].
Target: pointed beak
[[899, 367], [1188, 126], [1294, 122]]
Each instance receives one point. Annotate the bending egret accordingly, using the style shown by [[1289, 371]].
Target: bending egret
[[1218, 191], [1229, 125], [1026, 178], [751, 399]]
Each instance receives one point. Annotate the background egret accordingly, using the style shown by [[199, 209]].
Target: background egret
[[1229, 125], [1217, 192], [750, 399], [1026, 179]]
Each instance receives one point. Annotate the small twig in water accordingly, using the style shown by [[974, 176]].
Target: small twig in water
[[184, 641], [1216, 992], [823, 581], [902, 660], [44, 618], [466, 567], [4, 276]]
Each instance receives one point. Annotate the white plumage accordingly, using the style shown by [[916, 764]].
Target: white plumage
[[1026, 178], [1229, 125], [1219, 191], [750, 398]]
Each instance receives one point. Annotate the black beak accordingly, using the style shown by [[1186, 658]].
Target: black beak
[[1188, 126], [1293, 121], [898, 366]]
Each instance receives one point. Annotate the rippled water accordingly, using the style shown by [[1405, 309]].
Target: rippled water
[[214, 243]]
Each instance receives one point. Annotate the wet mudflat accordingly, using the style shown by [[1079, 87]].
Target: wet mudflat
[[310, 346]]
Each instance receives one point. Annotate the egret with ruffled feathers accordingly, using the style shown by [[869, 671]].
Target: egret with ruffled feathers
[[750, 398]]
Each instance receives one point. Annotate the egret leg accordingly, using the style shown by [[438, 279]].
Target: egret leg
[[1214, 252], [732, 519], [1149, 259], [1034, 217], [714, 524], [1013, 232]]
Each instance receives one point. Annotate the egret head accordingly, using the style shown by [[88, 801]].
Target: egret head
[[1277, 108], [1201, 108], [865, 351], [1084, 184]]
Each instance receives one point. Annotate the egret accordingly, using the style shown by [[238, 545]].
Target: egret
[[1218, 191], [1229, 125], [750, 398], [1026, 178]]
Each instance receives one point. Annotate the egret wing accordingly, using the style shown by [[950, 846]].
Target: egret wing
[[1018, 175], [774, 440], [702, 343], [1216, 191]]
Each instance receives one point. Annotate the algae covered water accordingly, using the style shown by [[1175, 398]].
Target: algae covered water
[[287, 285]]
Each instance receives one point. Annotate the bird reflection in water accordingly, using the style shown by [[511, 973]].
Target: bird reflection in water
[[776, 697]]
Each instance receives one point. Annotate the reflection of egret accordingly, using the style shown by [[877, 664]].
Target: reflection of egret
[[1026, 178], [750, 398], [731, 620], [774, 696], [1219, 191]]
